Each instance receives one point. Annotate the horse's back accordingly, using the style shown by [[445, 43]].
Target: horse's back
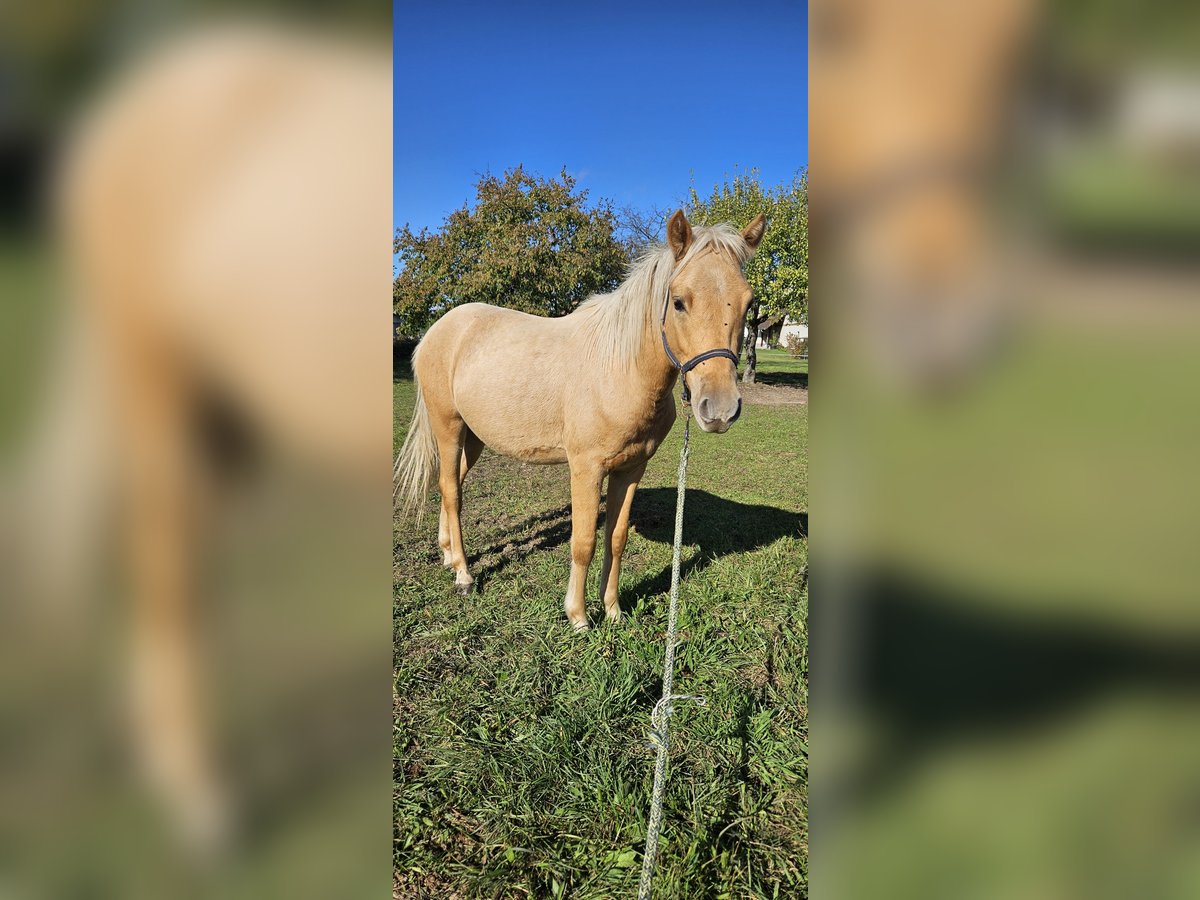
[[503, 372], [479, 334]]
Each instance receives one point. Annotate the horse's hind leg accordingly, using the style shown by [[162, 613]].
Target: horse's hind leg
[[472, 447], [172, 732], [451, 441]]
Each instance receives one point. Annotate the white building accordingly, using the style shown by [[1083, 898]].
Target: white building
[[775, 330]]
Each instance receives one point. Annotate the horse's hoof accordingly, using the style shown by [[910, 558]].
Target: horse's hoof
[[581, 626], [465, 589]]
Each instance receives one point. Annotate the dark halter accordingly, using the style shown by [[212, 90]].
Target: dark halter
[[686, 367]]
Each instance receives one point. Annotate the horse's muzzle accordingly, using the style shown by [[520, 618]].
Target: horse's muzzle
[[716, 422]]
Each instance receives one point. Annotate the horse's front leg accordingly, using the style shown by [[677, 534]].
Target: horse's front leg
[[621, 488], [585, 504]]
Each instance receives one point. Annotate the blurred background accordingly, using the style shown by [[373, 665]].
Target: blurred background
[[195, 443], [1005, 219], [195, 434]]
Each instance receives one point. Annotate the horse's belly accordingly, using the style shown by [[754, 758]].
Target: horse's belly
[[512, 416], [522, 444], [531, 453]]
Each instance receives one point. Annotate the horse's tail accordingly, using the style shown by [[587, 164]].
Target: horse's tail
[[417, 463]]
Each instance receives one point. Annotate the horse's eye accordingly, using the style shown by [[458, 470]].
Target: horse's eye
[[679, 305]]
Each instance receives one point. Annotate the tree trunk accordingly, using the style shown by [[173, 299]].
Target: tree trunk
[[752, 320]]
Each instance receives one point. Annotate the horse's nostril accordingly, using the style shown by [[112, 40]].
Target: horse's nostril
[[703, 409]]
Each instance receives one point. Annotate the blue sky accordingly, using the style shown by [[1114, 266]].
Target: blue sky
[[632, 98]]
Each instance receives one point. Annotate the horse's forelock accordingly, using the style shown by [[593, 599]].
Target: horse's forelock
[[616, 322]]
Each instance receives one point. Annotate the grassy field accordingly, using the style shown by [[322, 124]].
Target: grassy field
[[780, 367], [521, 760], [27, 311]]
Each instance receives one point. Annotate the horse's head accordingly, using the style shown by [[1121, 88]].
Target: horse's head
[[906, 109], [706, 310]]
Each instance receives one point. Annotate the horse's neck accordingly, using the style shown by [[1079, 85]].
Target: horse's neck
[[654, 373]]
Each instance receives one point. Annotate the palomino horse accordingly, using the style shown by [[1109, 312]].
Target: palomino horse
[[220, 211], [591, 389]]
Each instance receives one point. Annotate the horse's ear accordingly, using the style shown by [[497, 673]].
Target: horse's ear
[[679, 234], [753, 233]]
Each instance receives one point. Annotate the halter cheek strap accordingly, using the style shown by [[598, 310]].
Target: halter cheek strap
[[686, 367]]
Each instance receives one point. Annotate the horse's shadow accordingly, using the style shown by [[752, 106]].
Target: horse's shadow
[[716, 526], [545, 530], [787, 379], [939, 666]]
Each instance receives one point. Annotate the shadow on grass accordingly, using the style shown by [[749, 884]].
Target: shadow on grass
[[786, 379], [717, 834], [545, 530], [937, 666], [402, 352], [717, 526]]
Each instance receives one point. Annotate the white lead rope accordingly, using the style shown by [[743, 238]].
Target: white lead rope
[[660, 717]]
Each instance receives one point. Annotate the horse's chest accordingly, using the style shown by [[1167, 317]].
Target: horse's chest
[[640, 442], [630, 455]]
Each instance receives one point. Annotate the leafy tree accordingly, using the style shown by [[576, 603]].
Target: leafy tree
[[529, 243], [778, 271]]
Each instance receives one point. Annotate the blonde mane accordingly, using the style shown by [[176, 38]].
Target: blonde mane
[[615, 324]]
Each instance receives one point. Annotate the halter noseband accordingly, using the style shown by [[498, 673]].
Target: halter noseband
[[686, 367]]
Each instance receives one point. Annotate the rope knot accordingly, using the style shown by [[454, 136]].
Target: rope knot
[[662, 711]]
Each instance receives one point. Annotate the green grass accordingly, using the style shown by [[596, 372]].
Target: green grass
[[780, 367], [521, 760], [27, 311], [1100, 196]]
